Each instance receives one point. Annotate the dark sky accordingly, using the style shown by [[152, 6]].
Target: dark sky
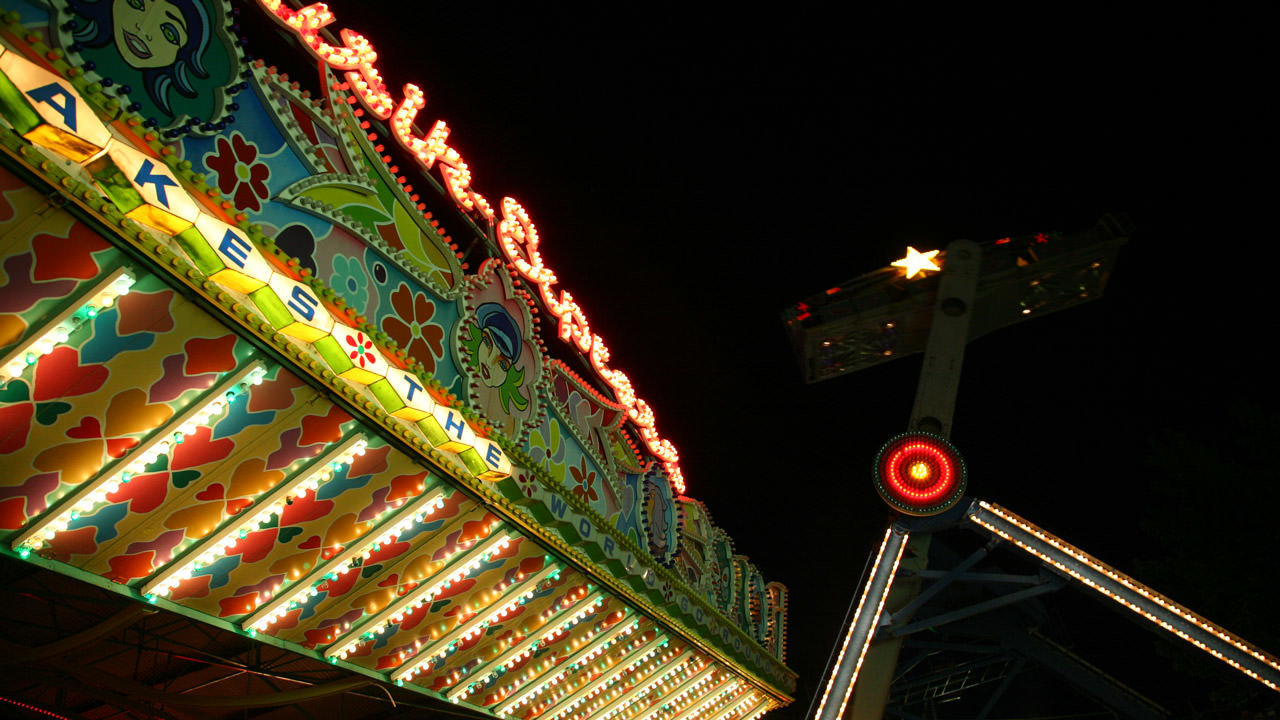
[[693, 172]]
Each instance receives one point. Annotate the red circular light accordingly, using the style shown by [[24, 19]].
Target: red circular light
[[919, 473]]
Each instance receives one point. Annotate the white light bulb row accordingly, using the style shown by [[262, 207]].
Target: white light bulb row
[[743, 703], [644, 675], [693, 695], [593, 604], [712, 700], [580, 688], [617, 705], [602, 644], [593, 689], [523, 591], [85, 499], [1128, 583], [835, 669], [581, 655], [756, 711], [524, 650], [404, 517], [58, 329], [1132, 584], [682, 690], [420, 596], [215, 546]]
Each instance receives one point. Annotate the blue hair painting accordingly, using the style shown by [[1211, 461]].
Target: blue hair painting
[[164, 43]]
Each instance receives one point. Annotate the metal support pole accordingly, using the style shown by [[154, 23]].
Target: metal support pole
[[863, 627], [934, 406], [948, 332]]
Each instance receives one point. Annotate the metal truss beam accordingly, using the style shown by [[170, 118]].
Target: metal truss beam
[[1070, 561], [944, 579], [1046, 585]]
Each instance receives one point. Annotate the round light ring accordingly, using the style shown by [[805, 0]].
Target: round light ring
[[920, 473]]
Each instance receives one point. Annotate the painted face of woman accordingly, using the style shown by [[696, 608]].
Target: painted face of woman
[[148, 33], [494, 366]]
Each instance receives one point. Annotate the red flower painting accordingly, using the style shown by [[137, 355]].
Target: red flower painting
[[411, 326], [362, 349], [585, 480], [239, 174]]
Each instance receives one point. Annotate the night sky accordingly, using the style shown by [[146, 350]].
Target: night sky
[[692, 174]]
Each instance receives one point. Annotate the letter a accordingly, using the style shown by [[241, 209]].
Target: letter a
[[48, 94]]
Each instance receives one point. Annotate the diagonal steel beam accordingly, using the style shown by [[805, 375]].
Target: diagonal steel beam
[[865, 620], [1047, 586], [1096, 575], [955, 574]]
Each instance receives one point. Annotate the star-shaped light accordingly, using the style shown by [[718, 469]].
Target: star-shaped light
[[917, 262]]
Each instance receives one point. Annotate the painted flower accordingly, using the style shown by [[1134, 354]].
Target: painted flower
[[361, 351], [239, 175], [586, 481], [411, 326], [350, 281], [528, 483]]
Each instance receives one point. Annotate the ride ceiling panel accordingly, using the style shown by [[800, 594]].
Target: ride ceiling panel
[[509, 627]]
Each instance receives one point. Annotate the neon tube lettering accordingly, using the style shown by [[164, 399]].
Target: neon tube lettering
[[516, 233], [434, 146], [356, 55]]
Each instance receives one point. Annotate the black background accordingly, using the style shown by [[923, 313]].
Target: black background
[[692, 172]]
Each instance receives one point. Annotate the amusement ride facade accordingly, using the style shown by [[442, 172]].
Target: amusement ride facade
[[291, 414]]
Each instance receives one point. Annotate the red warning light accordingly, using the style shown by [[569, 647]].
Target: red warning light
[[919, 473]]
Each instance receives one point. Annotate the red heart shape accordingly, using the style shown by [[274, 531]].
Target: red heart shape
[[88, 429], [117, 447], [310, 543], [60, 374], [213, 492], [390, 581], [235, 506]]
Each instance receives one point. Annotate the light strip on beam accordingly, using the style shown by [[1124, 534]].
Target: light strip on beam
[[401, 520], [622, 628], [522, 590], [747, 701], [697, 696], [214, 547], [756, 710], [526, 648], [94, 492], [716, 694], [681, 690], [1148, 603], [865, 622], [591, 688], [423, 594], [56, 331], [680, 660], [564, 689]]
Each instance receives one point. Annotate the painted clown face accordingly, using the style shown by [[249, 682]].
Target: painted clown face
[[148, 33]]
